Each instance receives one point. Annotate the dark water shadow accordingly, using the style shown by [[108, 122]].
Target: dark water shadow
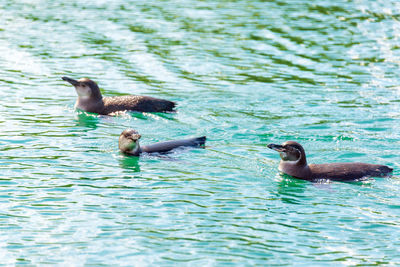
[[291, 190], [87, 120], [129, 163]]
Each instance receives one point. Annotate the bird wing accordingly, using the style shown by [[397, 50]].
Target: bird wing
[[163, 147], [347, 171], [137, 103]]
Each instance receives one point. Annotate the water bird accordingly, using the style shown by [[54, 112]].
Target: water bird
[[128, 143], [294, 163], [91, 100]]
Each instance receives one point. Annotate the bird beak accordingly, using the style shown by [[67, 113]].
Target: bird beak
[[135, 137], [71, 81], [275, 147]]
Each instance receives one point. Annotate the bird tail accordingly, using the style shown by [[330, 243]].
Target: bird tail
[[200, 141]]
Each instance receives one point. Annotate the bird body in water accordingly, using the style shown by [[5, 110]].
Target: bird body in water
[[128, 143], [91, 100], [294, 163]]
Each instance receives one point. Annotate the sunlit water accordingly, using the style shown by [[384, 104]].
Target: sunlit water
[[244, 73]]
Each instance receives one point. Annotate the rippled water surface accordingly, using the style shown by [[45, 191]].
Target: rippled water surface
[[244, 73]]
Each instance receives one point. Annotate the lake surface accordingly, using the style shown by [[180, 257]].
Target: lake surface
[[244, 73]]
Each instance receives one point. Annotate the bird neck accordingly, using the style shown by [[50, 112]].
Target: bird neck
[[135, 151], [298, 168], [90, 104]]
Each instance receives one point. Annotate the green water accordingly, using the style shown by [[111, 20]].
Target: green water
[[244, 73]]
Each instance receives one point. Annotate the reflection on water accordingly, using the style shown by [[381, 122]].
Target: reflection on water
[[87, 120], [291, 190], [129, 163]]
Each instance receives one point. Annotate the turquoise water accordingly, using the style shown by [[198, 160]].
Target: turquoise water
[[244, 73]]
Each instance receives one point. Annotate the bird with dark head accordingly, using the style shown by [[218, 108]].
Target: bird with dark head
[[128, 143], [294, 163], [91, 100]]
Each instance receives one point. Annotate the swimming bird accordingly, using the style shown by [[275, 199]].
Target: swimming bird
[[91, 100], [128, 143], [294, 163]]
